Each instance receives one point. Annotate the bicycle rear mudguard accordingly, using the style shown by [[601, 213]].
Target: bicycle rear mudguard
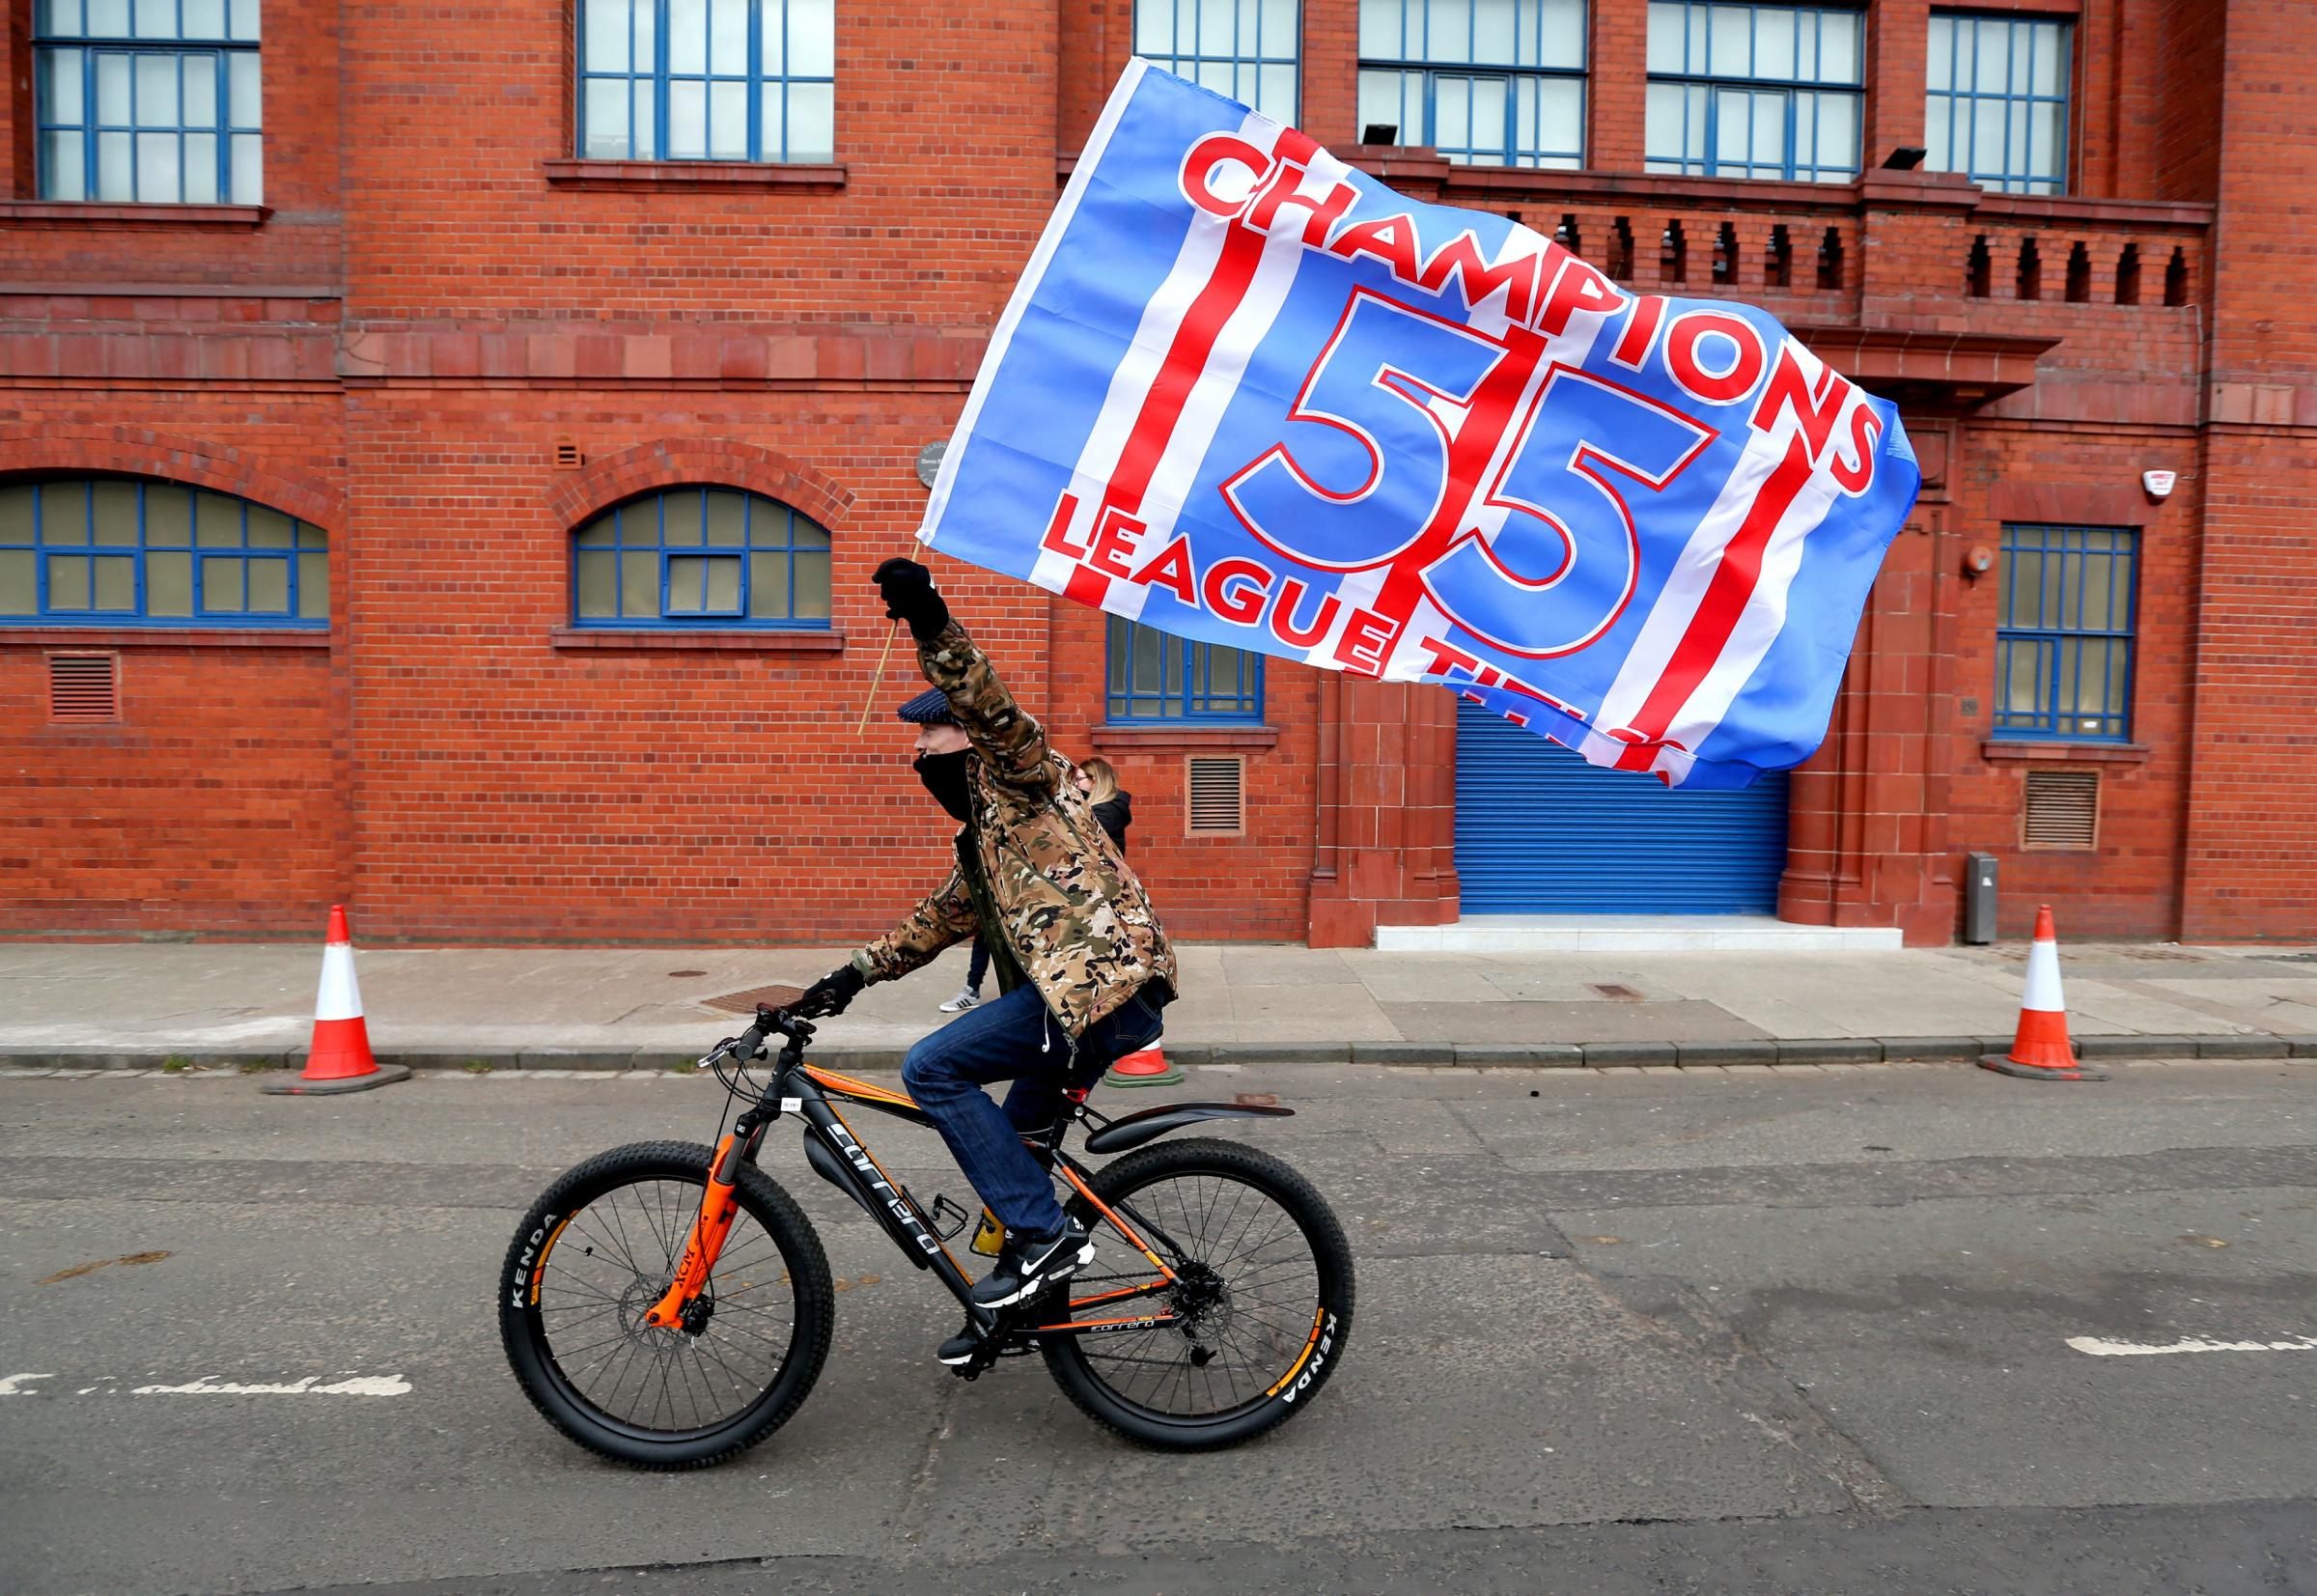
[[1150, 1124]]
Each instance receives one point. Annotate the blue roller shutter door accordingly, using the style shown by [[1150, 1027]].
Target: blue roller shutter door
[[1538, 831]]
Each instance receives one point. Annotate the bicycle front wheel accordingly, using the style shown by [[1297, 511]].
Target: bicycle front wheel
[[600, 1248], [1261, 1298]]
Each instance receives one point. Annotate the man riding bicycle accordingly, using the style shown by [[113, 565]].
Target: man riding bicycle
[[1082, 967]]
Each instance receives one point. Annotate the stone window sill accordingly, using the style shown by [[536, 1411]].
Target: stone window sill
[[199, 637], [688, 176], [133, 215], [762, 642], [2027, 751], [1171, 739]]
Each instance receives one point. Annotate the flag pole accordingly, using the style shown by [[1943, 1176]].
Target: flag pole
[[885, 655]]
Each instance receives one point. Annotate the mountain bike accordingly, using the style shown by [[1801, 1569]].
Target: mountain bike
[[669, 1306]]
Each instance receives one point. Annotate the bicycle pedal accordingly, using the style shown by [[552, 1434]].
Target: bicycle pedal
[[990, 1238], [948, 1219]]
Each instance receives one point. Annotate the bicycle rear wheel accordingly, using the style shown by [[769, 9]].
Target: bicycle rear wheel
[[1264, 1299], [600, 1248]]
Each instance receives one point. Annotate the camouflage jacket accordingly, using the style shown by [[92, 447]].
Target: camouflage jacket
[[1055, 893]]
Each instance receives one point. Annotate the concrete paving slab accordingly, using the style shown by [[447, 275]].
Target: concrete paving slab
[[1598, 1021]]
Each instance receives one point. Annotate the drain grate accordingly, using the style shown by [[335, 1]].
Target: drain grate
[[1615, 991], [745, 1002]]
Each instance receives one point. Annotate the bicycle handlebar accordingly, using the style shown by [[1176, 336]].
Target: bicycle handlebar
[[750, 1043]]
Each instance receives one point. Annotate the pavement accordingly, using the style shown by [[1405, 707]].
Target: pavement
[[143, 1005], [1853, 1330]]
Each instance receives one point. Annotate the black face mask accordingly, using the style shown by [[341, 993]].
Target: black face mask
[[944, 776]]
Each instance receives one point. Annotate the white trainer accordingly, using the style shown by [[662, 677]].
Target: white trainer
[[966, 999]]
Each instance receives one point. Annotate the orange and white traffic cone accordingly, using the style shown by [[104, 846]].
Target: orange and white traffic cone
[[1147, 1068], [339, 1060], [2040, 1049]]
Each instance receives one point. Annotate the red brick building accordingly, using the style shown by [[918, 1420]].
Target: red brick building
[[334, 334]]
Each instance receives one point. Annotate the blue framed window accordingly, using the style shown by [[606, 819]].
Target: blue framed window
[[148, 101], [746, 80], [1157, 676], [125, 551], [700, 557], [1249, 49], [1740, 90], [2064, 641], [1485, 82], [1997, 106]]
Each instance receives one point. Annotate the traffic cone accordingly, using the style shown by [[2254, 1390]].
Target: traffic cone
[[2040, 1049], [1147, 1068], [339, 1060]]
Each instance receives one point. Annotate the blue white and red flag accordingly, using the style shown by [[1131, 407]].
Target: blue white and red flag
[[1248, 395]]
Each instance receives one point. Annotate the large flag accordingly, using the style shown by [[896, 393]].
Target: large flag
[[1248, 395]]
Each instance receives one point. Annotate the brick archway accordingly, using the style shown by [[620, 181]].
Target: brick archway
[[135, 451], [675, 462]]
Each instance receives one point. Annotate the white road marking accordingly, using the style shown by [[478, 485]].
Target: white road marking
[[353, 1384], [2097, 1348], [366, 1385]]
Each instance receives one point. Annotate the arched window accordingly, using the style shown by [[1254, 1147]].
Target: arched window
[[128, 551], [700, 557]]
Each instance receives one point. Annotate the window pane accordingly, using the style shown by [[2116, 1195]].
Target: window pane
[[768, 587], [1214, 33], [200, 169], [727, 515], [1562, 32], [112, 90], [1729, 49], [1379, 101], [58, 85], [1451, 32], [116, 582], [67, 581], [1942, 45], [687, 120], [269, 528], [802, 533], [1839, 133], [688, 36], [1987, 136], [243, 19], [155, 19], [686, 577], [1279, 35], [158, 178], [1276, 93], [1991, 57], [221, 584], [108, 18], [57, 19], [1665, 18], [249, 169], [1492, 32], [115, 513], [64, 514], [603, 40], [313, 587], [156, 91], [596, 534], [728, 37], [604, 118], [310, 537], [1561, 117], [168, 517], [114, 168], [1489, 131], [728, 121], [204, 19], [642, 131], [169, 585], [1936, 110], [269, 587], [1774, 44], [1733, 122], [18, 594], [812, 121], [2045, 158], [639, 585], [723, 586], [1838, 43], [596, 591], [1663, 121], [244, 97], [1154, 26], [217, 520], [16, 515], [812, 38], [811, 594], [679, 522], [64, 172], [2052, 44]]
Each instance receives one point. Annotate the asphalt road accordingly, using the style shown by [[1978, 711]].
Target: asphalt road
[[1707, 1332]]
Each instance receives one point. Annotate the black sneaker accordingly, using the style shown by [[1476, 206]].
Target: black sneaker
[[1025, 1268], [961, 1347]]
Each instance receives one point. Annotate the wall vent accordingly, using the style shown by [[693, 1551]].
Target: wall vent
[[2062, 809], [1217, 788], [84, 687], [568, 457]]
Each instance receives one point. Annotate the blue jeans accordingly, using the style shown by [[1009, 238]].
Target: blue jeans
[[1013, 1038]]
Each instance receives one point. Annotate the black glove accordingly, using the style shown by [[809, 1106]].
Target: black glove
[[831, 994], [908, 589]]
